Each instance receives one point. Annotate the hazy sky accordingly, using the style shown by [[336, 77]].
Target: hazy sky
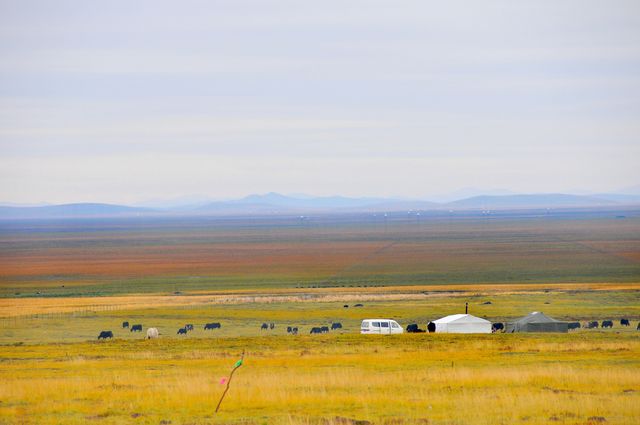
[[130, 101]]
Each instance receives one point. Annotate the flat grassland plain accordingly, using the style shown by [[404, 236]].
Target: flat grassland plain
[[62, 282]]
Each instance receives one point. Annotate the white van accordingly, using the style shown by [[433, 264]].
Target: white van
[[380, 326]]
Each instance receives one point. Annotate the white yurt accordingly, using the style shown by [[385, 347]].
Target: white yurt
[[462, 324]]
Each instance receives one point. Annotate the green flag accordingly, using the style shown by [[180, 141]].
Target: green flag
[[238, 363]]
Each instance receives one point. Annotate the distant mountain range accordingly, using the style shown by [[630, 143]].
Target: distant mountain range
[[552, 200], [73, 210], [275, 203]]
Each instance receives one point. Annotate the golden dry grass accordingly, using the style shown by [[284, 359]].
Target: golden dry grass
[[409, 379], [336, 379]]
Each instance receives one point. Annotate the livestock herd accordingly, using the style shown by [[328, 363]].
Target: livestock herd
[[605, 324], [411, 328], [153, 332]]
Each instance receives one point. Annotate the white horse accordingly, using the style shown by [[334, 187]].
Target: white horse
[[152, 333]]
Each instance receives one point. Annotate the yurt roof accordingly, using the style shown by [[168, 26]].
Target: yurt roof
[[536, 317], [463, 318]]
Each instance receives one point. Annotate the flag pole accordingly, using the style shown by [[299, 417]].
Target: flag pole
[[235, 367]]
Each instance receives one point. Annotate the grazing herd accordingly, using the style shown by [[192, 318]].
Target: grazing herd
[[189, 327], [153, 333], [314, 330], [594, 324], [292, 330], [411, 328]]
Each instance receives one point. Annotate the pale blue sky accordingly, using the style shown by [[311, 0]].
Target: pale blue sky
[[129, 101]]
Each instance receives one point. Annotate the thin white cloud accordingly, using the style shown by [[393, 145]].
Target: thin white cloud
[[124, 178], [363, 98]]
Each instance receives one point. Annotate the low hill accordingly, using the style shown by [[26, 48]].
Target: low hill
[[551, 200], [78, 210], [275, 202]]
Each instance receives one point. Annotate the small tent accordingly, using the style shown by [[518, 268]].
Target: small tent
[[462, 324], [537, 322]]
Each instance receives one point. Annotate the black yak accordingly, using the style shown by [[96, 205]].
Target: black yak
[[105, 335]]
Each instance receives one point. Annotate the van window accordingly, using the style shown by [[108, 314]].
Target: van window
[[394, 325], [376, 324], [384, 324], [365, 324]]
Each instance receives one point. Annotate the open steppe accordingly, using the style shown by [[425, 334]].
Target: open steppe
[[119, 256], [64, 282]]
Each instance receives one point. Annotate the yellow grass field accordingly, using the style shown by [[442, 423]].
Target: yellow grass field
[[52, 369], [444, 379]]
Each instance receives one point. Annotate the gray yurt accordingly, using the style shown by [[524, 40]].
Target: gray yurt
[[537, 322]]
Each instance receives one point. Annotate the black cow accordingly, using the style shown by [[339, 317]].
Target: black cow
[[294, 331], [413, 328], [335, 326], [289, 329], [105, 335], [607, 324], [188, 327], [324, 329], [431, 327], [272, 325], [574, 325], [316, 330], [212, 326], [624, 322], [136, 328], [264, 327], [346, 306], [592, 325], [359, 305], [638, 328], [495, 327], [125, 324], [182, 331]]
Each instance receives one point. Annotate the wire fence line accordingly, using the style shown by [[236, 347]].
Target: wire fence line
[[86, 311], [82, 312]]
